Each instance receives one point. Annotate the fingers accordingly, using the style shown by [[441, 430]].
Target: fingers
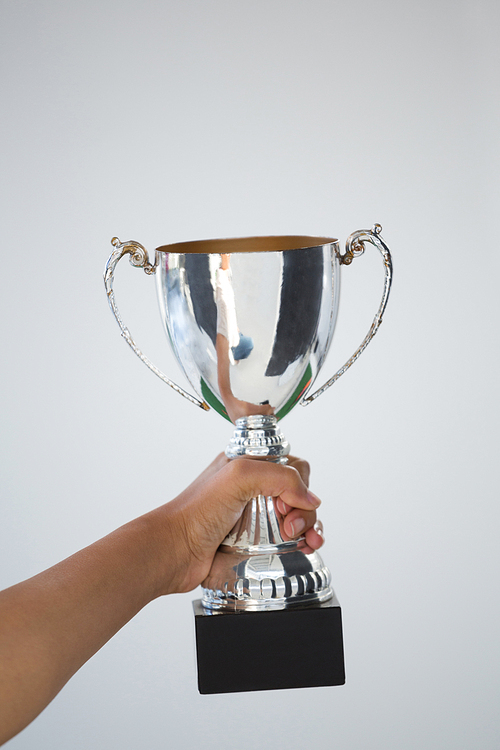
[[302, 467], [297, 522], [299, 464], [314, 536], [250, 478], [284, 508]]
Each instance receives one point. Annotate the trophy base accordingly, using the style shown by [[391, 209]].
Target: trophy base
[[274, 650]]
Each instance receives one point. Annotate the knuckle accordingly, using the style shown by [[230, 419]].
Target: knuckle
[[294, 476], [239, 469], [303, 467]]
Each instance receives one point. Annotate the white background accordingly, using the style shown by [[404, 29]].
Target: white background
[[169, 121]]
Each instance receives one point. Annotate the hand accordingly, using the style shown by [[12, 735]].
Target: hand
[[297, 522], [52, 623], [201, 517]]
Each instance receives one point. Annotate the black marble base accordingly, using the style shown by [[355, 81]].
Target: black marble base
[[291, 648]]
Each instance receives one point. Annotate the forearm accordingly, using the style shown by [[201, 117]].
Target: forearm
[[53, 623]]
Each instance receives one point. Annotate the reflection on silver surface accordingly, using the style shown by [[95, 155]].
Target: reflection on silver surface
[[250, 329]]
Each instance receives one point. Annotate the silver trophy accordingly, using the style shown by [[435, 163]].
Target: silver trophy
[[250, 321]]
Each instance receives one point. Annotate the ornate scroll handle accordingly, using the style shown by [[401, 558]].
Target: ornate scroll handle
[[354, 248], [139, 258]]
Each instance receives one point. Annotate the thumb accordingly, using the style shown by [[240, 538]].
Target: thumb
[[245, 478]]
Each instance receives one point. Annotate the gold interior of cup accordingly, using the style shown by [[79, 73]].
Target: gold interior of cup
[[247, 244]]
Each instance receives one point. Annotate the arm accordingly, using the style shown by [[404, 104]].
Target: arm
[[51, 624]]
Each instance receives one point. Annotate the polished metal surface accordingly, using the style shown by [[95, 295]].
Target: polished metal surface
[[250, 329], [259, 437], [279, 579], [250, 321]]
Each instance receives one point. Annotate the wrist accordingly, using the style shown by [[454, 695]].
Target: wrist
[[165, 549]]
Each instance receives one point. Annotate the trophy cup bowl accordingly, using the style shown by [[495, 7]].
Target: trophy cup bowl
[[250, 321]]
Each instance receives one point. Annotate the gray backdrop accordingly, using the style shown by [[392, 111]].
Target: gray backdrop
[[168, 121]]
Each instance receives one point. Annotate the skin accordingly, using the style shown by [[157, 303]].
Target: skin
[[51, 624]]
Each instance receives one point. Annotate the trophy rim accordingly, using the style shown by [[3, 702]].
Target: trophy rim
[[271, 243]]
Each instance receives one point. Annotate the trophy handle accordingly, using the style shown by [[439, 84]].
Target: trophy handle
[[138, 258], [354, 248]]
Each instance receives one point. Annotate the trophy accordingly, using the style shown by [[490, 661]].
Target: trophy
[[250, 321]]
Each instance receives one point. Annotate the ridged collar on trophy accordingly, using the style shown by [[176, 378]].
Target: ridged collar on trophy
[[248, 244]]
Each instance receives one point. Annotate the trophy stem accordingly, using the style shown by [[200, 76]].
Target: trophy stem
[[258, 528], [256, 568]]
